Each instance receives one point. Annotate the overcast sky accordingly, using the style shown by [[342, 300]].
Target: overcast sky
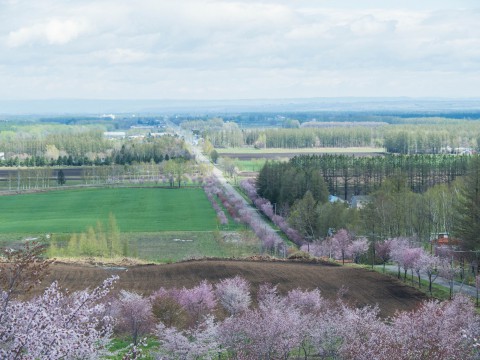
[[199, 49]]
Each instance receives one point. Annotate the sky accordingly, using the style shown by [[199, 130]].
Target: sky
[[250, 49]]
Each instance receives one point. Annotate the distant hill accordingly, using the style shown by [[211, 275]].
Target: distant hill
[[435, 106]]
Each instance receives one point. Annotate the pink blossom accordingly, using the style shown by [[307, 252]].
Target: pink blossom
[[357, 248], [57, 325], [134, 314], [341, 242], [198, 342], [197, 301], [234, 294]]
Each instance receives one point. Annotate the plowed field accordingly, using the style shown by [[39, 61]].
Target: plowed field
[[364, 287]]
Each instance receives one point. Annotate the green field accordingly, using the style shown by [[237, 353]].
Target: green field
[[251, 164], [176, 246], [135, 209]]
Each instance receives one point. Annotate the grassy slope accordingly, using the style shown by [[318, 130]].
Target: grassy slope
[[136, 210]]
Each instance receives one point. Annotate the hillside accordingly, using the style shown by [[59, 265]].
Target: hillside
[[363, 287]]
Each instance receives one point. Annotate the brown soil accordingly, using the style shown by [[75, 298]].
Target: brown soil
[[364, 287]]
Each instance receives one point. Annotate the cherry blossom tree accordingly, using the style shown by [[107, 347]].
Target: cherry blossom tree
[[267, 208], [222, 218], [166, 309], [24, 269], [56, 325], [448, 270], [397, 247], [199, 342], [234, 294], [428, 264], [406, 258], [197, 301], [134, 315], [271, 331], [383, 251], [341, 242], [437, 330], [414, 261], [306, 302], [357, 248]]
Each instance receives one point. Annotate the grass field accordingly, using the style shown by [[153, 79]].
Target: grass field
[[253, 165], [176, 246], [135, 209]]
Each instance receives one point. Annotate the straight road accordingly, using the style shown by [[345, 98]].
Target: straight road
[[201, 158]]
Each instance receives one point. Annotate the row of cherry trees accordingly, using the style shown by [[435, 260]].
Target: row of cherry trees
[[408, 257], [265, 206], [212, 191], [210, 321], [240, 212], [341, 245]]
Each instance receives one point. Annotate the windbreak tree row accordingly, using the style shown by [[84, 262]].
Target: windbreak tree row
[[79, 147], [424, 136]]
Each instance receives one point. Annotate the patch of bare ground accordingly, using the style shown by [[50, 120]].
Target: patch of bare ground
[[363, 287]]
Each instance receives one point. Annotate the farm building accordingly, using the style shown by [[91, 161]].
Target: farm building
[[443, 239], [359, 201]]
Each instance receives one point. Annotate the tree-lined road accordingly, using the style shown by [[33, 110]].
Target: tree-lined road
[[458, 287], [218, 174]]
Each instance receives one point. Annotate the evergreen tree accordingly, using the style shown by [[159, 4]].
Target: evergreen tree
[[214, 156], [61, 178]]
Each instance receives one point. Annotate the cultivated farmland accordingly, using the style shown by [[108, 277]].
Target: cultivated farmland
[[362, 287]]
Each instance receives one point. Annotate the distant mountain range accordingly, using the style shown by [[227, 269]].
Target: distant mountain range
[[169, 107]]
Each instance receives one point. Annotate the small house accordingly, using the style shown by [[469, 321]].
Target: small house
[[442, 239], [359, 201]]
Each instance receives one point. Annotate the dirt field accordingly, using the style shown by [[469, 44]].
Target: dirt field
[[364, 287]]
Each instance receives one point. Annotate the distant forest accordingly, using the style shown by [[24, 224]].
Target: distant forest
[[270, 119], [406, 136]]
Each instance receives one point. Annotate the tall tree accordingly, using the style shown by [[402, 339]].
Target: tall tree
[[467, 224], [303, 217], [61, 178]]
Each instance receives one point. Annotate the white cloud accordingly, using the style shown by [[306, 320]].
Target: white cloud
[[122, 56], [239, 48], [53, 32], [369, 25]]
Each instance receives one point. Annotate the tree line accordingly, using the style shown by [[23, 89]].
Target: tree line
[[425, 136], [173, 173], [346, 176], [130, 152], [59, 145]]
